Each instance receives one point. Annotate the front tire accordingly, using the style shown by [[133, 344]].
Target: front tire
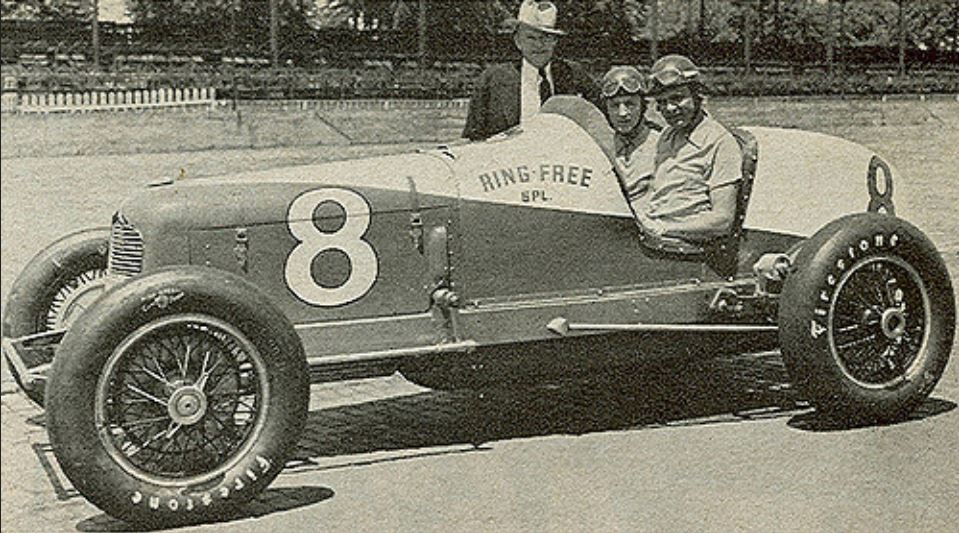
[[54, 289], [178, 397], [867, 318]]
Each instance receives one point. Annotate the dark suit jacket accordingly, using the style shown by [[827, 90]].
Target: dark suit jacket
[[495, 104]]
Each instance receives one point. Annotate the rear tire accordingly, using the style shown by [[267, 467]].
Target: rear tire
[[180, 395], [867, 318], [46, 295]]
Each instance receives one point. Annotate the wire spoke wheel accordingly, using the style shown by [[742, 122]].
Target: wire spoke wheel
[[867, 318], [71, 298], [878, 321], [178, 396], [181, 399], [51, 293]]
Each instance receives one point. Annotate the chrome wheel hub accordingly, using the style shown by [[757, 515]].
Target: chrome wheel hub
[[893, 323], [187, 405], [182, 398]]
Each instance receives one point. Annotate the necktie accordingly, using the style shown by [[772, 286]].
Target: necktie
[[545, 91]]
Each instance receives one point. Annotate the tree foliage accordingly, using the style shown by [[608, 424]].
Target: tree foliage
[[220, 18], [45, 9], [930, 24]]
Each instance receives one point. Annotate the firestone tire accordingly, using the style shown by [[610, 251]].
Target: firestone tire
[[867, 318], [48, 281], [177, 397]]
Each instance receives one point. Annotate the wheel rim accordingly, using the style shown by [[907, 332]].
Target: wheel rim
[[71, 299], [182, 400], [879, 322]]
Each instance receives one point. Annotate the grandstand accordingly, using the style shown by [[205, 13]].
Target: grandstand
[[53, 56]]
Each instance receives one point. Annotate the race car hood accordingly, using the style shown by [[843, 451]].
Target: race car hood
[[556, 155], [262, 197]]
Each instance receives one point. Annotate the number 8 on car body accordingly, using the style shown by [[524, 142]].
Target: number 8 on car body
[[312, 242]]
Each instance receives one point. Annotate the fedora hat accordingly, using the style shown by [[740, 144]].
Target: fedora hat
[[539, 15]]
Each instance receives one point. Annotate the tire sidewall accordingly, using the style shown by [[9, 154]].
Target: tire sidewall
[[90, 343], [40, 279], [35, 287], [811, 289]]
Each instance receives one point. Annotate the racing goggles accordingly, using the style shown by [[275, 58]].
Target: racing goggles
[[671, 76], [626, 79]]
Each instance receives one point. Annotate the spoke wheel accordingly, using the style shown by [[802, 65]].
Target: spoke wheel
[[71, 298], [178, 396], [52, 292], [878, 322], [181, 399], [867, 319]]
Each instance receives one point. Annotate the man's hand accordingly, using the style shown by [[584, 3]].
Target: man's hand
[[651, 226]]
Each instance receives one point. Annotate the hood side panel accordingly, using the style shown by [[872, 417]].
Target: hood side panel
[[400, 274], [804, 180]]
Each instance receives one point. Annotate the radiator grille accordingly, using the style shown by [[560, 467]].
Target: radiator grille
[[126, 248]]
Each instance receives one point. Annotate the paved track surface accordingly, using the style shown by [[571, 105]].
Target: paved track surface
[[724, 445], [727, 448]]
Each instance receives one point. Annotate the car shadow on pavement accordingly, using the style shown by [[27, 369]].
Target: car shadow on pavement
[[734, 389], [818, 422], [374, 427], [728, 390], [268, 502]]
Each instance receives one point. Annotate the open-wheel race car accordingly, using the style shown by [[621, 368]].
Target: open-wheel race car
[[172, 352]]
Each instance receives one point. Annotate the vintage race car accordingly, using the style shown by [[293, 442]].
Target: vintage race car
[[173, 350]]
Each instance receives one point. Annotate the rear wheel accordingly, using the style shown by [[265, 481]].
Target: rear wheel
[[178, 397], [56, 286], [867, 318]]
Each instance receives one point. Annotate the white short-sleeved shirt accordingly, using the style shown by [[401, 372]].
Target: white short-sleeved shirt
[[688, 166]]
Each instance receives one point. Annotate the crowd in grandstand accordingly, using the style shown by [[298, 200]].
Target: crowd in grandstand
[[409, 79], [54, 52]]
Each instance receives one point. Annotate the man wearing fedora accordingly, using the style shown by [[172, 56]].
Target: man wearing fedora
[[507, 95]]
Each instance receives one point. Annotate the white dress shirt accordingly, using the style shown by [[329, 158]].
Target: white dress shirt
[[529, 90]]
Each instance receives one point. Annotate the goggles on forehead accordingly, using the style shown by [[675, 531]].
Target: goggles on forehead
[[628, 80], [673, 76]]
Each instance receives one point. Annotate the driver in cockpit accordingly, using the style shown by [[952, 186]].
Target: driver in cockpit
[[635, 138], [692, 196]]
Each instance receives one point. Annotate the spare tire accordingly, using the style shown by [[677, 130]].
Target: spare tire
[[867, 318]]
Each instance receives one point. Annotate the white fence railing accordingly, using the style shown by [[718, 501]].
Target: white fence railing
[[79, 102]]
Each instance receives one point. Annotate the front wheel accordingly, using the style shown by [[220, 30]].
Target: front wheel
[[867, 318], [55, 287], [178, 396]]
